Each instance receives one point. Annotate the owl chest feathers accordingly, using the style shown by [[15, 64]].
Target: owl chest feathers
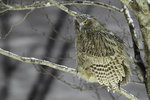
[[96, 43]]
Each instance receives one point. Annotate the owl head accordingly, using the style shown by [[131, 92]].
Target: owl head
[[85, 21]]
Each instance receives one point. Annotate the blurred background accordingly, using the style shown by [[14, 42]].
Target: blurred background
[[48, 33]]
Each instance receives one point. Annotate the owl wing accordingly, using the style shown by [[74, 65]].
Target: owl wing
[[110, 66], [109, 71]]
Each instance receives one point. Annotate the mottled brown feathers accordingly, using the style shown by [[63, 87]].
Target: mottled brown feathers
[[100, 54]]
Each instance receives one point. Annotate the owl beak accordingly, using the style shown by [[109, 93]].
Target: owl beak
[[81, 25]]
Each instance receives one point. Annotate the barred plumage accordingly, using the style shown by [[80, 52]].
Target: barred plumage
[[100, 54]]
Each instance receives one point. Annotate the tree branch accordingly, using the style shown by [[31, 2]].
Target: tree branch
[[138, 63], [141, 9], [16, 24], [62, 7], [37, 61], [126, 94], [47, 63], [38, 4], [55, 66]]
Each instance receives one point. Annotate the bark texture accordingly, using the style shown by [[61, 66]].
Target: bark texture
[[141, 9]]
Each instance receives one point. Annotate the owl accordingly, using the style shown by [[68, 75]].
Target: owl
[[100, 54]]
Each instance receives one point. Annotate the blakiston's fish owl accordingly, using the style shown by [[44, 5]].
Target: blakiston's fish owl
[[100, 54]]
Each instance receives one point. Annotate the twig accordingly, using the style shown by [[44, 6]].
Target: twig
[[72, 85], [138, 83], [98, 95], [112, 96], [37, 61], [62, 7], [48, 4], [126, 94], [19, 22]]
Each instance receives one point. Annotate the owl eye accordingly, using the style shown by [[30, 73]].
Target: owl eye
[[86, 22]]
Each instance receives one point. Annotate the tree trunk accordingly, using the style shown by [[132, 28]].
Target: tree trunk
[[141, 9]]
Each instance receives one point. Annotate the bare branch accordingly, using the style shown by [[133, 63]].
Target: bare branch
[[62, 7], [130, 23], [138, 63], [72, 85], [47, 63], [48, 4], [126, 94], [141, 9], [137, 6], [16, 24], [138, 83], [121, 91], [55, 66], [37, 61]]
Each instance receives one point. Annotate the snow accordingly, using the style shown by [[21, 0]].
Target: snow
[[130, 0], [47, 4], [130, 20], [148, 1], [129, 17]]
